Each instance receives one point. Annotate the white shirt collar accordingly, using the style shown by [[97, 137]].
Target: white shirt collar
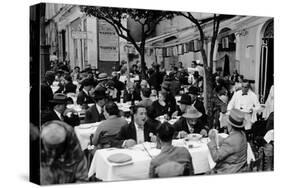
[[136, 125], [58, 114], [98, 108], [85, 91]]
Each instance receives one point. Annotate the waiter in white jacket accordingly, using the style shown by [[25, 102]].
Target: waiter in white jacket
[[246, 101]]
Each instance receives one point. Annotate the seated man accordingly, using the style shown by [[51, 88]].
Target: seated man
[[230, 154], [136, 132], [62, 160], [184, 104], [161, 165], [188, 123], [145, 96], [84, 96], [95, 112], [69, 87], [110, 127], [197, 103], [58, 108]]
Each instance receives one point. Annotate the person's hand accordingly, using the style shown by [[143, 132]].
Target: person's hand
[[212, 134], [182, 134], [153, 138], [129, 143], [175, 114], [68, 112], [203, 132]]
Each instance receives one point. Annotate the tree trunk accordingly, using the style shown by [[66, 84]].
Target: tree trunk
[[209, 95]]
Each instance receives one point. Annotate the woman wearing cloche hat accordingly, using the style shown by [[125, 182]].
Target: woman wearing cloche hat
[[230, 154]]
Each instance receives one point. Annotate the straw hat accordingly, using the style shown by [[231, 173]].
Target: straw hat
[[102, 76], [224, 99], [192, 113], [236, 118]]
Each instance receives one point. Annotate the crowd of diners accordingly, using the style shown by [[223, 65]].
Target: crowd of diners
[[63, 161]]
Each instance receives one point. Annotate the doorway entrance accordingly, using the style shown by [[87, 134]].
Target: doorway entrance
[[266, 77]]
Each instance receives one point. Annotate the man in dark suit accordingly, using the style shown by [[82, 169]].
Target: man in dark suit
[[59, 106], [189, 123], [46, 90], [197, 103], [136, 132], [69, 87], [106, 132], [95, 112], [84, 95]]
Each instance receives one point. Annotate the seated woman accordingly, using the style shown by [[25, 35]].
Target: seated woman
[[160, 106], [230, 154], [172, 161]]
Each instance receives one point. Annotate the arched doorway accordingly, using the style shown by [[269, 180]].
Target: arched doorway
[[226, 53], [266, 77]]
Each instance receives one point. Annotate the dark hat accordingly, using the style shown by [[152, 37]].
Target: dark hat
[[193, 90], [166, 85], [185, 99], [59, 98], [236, 118], [87, 82], [192, 113], [50, 75], [99, 94], [110, 83]]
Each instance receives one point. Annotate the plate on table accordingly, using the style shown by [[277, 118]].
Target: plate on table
[[119, 158], [193, 137]]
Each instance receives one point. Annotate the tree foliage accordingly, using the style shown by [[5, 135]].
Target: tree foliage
[[207, 63], [148, 20]]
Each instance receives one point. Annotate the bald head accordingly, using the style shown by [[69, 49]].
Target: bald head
[[53, 133]]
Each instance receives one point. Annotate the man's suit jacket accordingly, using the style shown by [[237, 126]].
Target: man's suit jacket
[[181, 125], [83, 98], [177, 154], [231, 157], [70, 88], [49, 116], [129, 132], [46, 95], [92, 115]]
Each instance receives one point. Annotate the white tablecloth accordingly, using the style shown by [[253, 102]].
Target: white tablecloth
[[139, 169], [83, 133], [125, 107]]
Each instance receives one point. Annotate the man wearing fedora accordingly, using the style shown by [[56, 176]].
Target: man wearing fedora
[[230, 153], [189, 123], [197, 103], [102, 80], [56, 113], [184, 104], [95, 112], [84, 96], [46, 90]]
